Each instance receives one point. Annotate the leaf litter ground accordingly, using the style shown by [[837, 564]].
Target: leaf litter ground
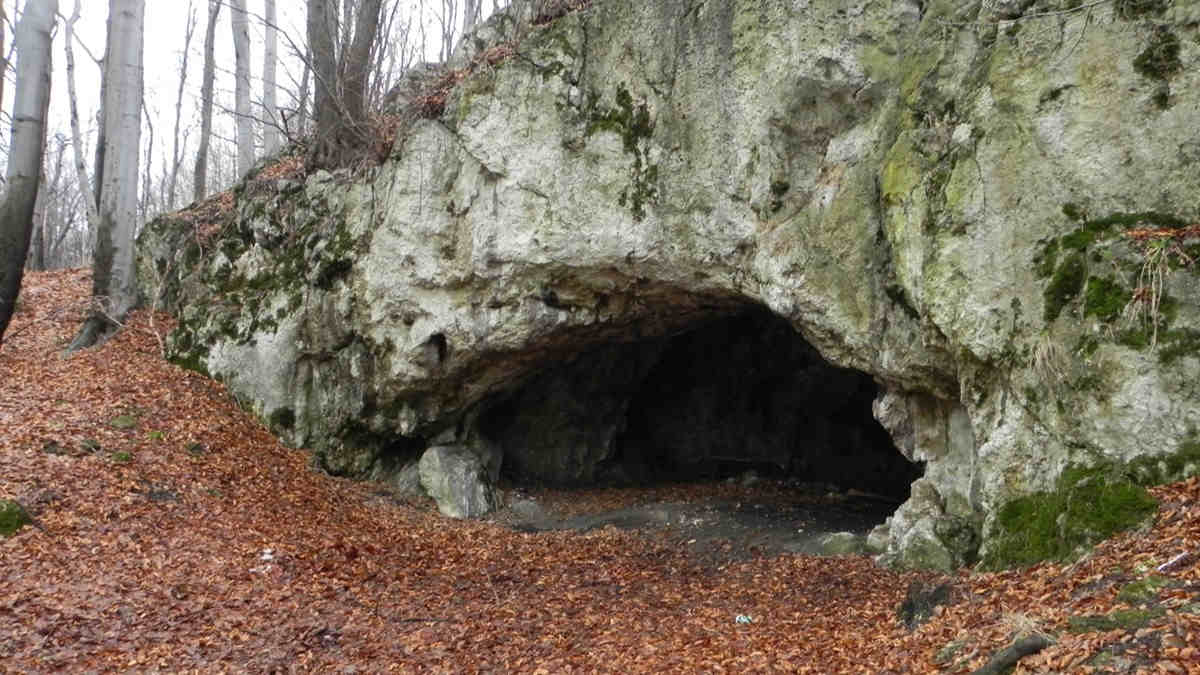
[[176, 534]]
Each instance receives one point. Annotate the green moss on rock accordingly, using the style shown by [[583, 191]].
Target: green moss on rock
[[1161, 469], [12, 517], [1083, 237], [1105, 298], [1178, 343], [1160, 59], [1045, 260], [1142, 591], [1133, 9], [1064, 285], [632, 122], [1074, 212], [1121, 619], [1086, 506], [1138, 219], [1134, 337]]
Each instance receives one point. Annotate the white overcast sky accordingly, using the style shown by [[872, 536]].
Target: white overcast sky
[[166, 23]]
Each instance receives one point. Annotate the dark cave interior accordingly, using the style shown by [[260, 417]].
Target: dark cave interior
[[734, 393]]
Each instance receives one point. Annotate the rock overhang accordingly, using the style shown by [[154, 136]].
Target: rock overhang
[[880, 231]]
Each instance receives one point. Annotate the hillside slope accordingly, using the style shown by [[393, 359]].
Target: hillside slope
[[174, 533]]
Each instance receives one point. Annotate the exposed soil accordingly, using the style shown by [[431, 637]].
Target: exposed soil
[[718, 522]]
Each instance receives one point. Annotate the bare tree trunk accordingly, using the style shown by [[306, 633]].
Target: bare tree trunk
[[176, 160], [271, 140], [27, 143], [447, 19], [324, 66], [114, 285], [143, 211], [357, 66], [241, 54], [35, 258], [76, 137], [341, 39], [302, 106], [3, 58], [470, 15], [46, 208], [200, 177]]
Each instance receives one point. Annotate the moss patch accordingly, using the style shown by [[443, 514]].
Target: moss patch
[[1086, 506], [1142, 591], [1105, 298], [1121, 619], [1162, 469], [1132, 9], [1160, 59], [1175, 344], [1064, 260], [1074, 211], [1045, 260], [633, 124], [1064, 285], [12, 517]]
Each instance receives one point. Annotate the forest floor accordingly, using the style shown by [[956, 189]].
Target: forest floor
[[174, 533]]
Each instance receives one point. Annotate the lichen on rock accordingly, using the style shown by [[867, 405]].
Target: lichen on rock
[[940, 196]]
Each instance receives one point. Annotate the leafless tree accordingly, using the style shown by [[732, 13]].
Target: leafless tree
[[93, 215], [30, 105], [200, 175], [114, 287], [340, 79], [470, 14], [57, 211], [241, 51], [271, 140], [3, 56], [447, 21], [176, 158]]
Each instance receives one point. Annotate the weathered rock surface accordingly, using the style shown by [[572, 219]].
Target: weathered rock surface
[[945, 196], [457, 480]]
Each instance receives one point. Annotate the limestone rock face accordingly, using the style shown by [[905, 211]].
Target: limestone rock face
[[988, 208]]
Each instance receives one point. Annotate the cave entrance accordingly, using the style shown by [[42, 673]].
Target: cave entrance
[[734, 394]]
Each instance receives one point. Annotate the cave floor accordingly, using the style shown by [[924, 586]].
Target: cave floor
[[718, 521]]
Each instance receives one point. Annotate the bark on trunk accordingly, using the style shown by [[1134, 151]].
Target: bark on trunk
[[85, 189], [241, 55], [302, 107], [470, 15], [358, 62], [114, 286], [321, 27], [176, 160], [27, 143], [200, 176], [271, 140], [3, 58]]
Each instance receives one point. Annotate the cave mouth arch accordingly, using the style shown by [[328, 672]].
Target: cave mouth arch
[[732, 393]]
